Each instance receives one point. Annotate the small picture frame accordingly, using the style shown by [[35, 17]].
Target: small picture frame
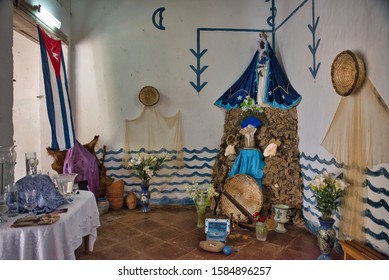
[[217, 229]]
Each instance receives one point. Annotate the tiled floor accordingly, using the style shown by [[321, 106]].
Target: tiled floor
[[170, 232]]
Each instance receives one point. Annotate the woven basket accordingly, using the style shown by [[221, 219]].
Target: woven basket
[[244, 189], [149, 96], [347, 73]]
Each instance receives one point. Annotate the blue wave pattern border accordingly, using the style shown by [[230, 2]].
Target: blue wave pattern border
[[376, 204], [168, 185]]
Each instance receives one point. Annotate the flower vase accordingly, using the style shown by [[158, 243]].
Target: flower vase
[[261, 231], [326, 238], [145, 197], [201, 207]]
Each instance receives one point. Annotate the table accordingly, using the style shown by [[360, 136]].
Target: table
[[57, 241]]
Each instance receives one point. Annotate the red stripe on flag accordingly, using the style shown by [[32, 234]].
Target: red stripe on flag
[[53, 48]]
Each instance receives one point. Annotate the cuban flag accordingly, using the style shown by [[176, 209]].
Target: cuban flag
[[57, 94]]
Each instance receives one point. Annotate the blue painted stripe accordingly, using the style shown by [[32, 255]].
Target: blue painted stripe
[[200, 158], [172, 201], [113, 159], [184, 182], [380, 222], [381, 172], [309, 167], [155, 190], [205, 149], [185, 150], [174, 174], [377, 190], [205, 165], [306, 177], [110, 152], [377, 204], [291, 14], [322, 161], [308, 209], [378, 236], [163, 150], [195, 157], [309, 200]]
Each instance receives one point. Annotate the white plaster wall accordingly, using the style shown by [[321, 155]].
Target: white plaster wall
[[358, 25], [117, 50], [26, 112], [362, 27]]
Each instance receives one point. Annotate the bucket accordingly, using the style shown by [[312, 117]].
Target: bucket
[[102, 205]]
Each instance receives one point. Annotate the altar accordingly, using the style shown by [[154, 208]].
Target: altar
[[57, 241]]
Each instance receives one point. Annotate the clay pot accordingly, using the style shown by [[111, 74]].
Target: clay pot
[[114, 194], [131, 200], [115, 203]]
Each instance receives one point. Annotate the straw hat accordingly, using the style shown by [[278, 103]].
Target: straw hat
[[149, 96], [347, 73]]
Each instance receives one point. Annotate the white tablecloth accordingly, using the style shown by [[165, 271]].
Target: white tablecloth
[[57, 241]]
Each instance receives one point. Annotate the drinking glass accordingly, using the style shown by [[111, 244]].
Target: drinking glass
[[30, 201], [31, 163], [75, 190], [3, 206]]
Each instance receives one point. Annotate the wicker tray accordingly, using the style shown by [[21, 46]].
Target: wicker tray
[[244, 189], [149, 96], [347, 73]]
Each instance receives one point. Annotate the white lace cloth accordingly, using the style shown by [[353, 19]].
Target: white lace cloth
[[52, 242]]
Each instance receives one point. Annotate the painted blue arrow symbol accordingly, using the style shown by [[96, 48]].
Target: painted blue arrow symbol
[[198, 86], [315, 45]]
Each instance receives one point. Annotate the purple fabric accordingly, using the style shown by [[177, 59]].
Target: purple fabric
[[79, 160]]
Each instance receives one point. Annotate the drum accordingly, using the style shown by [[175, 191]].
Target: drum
[[245, 190]]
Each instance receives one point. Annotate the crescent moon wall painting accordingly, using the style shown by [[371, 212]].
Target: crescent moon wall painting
[[158, 13]]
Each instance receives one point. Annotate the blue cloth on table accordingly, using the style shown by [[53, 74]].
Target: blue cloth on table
[[250, 162], [48, 197]]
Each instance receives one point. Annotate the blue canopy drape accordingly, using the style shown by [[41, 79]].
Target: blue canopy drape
[[279, 92], [247, 84]]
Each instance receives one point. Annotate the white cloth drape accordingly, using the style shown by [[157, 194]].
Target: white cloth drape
[[358, 137], [153, 131]]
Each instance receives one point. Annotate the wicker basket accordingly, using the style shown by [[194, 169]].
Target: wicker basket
[[149, 96], [347, 73], [244, 189]]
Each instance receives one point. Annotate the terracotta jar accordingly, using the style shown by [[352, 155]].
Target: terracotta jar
[[114, 194], [131, 200]]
